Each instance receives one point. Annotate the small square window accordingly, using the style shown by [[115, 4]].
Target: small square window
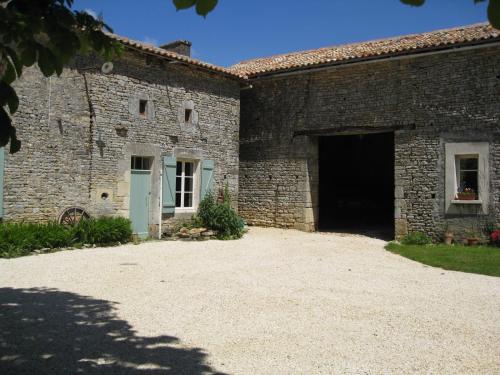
[[143, 107], [188, 116]]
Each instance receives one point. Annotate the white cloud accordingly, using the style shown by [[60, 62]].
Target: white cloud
[[91, 12], [149, 40]]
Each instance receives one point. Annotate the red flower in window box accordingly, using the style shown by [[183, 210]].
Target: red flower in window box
[[495, 237]]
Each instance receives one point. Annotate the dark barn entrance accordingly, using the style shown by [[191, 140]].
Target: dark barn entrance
[[356, 184]]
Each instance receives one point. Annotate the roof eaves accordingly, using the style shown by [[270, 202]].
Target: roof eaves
[[414, 51], [161, 53], [345, 54]]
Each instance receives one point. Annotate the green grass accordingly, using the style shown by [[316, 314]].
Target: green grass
[[481, 259]]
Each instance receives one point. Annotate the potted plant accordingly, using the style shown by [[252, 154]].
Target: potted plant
[[472, 238], [467, 194], [448, 236]]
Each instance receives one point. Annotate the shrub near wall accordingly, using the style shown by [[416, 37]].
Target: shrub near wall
[[17, 239], [221, 217], [103, 231]]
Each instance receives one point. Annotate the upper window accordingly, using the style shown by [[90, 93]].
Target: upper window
[[143, 107], [184, 184], [140, 163], [188, 116]]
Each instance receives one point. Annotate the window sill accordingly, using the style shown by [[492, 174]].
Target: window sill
[[463, 201], [185, 210]]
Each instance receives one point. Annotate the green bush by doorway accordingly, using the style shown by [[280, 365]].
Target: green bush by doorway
[[220, 217]]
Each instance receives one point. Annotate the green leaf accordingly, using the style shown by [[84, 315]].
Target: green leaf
[[15, 144], [203, 7], [97, 40], [8, 97], [13, 103], [28, 55], [415, 3], [494, 13], [65, 17], [8, 132], [5, 127], [15, 60], [45, 61], [10, 73], [184, 4]]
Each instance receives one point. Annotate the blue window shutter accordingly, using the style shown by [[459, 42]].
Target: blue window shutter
[[207, 177], [2, 162], [168, 184]]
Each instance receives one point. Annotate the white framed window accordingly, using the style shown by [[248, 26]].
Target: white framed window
[[467, 177], [185, 185]]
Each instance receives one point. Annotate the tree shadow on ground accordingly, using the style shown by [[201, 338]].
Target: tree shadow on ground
[[47, 331]]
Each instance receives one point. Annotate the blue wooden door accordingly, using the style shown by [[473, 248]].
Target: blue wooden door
[[140, 193]]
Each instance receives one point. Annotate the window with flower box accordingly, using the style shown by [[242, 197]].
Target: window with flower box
[[467, 167], [467, 177]]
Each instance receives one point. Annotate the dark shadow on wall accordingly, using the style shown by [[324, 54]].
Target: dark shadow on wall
[[46, 331]]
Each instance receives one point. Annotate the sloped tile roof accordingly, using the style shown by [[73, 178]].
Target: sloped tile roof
[[408, 44], [174, 56]]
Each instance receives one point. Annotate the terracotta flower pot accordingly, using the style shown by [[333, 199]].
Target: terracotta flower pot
[[448, 238], [472, 241], [466, 197]]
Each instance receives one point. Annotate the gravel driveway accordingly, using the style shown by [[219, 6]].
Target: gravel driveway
[[275, 302]]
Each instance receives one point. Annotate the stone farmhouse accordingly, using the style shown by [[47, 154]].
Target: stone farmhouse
[[400, 134], [144, 138]]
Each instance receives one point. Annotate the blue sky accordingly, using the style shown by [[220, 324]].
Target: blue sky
[[242, 29]]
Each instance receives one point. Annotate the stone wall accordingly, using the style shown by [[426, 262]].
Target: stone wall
[[71, 157], [426, 100]]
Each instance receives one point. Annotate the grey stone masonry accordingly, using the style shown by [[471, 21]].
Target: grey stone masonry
[[79, 131], [427, 100]]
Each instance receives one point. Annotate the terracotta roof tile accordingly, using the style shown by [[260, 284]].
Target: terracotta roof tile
[[174, 56], [384, 47]]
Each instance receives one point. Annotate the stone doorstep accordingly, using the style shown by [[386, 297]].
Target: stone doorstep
[[194, 234]]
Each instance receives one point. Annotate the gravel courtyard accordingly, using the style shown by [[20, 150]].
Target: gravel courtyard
[[275, 302]]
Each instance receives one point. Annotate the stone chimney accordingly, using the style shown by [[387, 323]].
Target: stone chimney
[[182, 47]]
